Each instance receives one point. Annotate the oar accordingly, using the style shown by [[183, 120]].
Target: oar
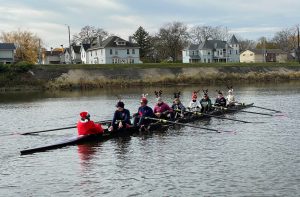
[[266, 109], [225, 108], [199, 113], [184, 124], [57, 129]]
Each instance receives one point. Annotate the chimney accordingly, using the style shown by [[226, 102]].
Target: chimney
[[130, 39]]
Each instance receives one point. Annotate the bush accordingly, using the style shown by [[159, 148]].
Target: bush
[[22, 66], [4, 68]]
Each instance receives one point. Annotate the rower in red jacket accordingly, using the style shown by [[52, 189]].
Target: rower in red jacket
[[85, 126]]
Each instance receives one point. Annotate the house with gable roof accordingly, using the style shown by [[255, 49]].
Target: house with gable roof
[[263, 55], [75, 54], [212, 51], [113, 50], [83, 52], [7, 53]]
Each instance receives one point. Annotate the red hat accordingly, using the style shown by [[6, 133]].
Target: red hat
[[144, 100], [84, 115]]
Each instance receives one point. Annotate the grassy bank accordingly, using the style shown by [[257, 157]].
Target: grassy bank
[[85, 76]]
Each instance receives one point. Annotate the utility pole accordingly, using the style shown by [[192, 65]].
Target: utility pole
[[298, 46], [69, 42], [39, 55]]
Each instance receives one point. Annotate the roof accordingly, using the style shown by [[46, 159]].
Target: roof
[[7, 46], [261, 51], [76, 49], [233, 40], [214, 44], [86, 46], [53, 53], [112, 43]]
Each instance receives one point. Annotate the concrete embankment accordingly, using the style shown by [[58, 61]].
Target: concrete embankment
[[92, 77]]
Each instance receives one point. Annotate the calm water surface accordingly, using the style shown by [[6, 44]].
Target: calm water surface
[[259, 159]]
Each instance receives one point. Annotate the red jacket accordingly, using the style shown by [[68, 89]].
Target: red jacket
[[89, 127]]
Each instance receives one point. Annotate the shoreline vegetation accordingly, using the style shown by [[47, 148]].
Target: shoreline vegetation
[[25, 77]]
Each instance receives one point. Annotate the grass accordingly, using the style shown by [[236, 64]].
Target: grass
[[160, 65]]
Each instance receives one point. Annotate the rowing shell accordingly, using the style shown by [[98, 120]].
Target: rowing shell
[[159, 126]]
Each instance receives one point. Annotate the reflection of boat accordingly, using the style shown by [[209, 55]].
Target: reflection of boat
[[154, 127], [86, 151]]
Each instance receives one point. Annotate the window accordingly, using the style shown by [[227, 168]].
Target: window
[[244, 54], [236, 52], [110, 51], [251, 54], [96, 53], [208, 53], [230, 52], [133, 51], [91, 53], [204, 60], [127, 51], [116, 52]]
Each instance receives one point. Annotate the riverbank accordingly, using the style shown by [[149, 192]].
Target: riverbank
[[43, 77]]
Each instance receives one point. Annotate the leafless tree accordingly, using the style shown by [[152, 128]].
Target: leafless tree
[[89, 34], [199, 34], [171, 39], [286, 39]]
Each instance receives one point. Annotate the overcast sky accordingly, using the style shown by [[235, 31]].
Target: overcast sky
[[47, 18]]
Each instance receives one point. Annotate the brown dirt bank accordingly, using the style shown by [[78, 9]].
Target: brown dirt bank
[[91, 77]]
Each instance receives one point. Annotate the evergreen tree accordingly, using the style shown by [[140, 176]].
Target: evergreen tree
[[142, 38]]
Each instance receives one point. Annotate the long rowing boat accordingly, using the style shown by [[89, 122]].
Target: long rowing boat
[[157, 126]]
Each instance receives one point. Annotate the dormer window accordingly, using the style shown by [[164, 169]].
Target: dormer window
[[121, 43]]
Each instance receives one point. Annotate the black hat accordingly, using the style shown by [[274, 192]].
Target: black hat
[[120, 104]]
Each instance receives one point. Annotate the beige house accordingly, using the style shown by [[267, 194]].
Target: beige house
[[260, 55]]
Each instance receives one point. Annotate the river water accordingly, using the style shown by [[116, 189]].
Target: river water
[[258, 159]]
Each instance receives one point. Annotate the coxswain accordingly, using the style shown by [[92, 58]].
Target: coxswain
[[121, 118], [194, 105], [230, 98], [162, 110], [205, 102], [220, 100], [177, 106], [143, 112], [86, 127]]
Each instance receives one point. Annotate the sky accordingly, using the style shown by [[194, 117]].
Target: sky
[[249, 19]]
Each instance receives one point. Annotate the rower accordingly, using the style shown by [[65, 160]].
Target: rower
[[230, 98], [205, 102], [162, 110], [86, 127], [177, 106], [220, 100], [121, 118], [194, 105], [143, 112]]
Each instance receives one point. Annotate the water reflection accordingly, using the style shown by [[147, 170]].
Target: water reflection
[[87, 151]]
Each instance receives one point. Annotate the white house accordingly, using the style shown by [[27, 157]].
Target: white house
[[65, 57], [113, 50], [75, 54], [7, 53], [51, 57], [83, 52], [212, 51]]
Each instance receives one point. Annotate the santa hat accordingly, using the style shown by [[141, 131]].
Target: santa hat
[[84, 115], [144, 99]]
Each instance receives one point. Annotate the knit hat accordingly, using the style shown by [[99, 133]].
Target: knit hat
[[120, 104]]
